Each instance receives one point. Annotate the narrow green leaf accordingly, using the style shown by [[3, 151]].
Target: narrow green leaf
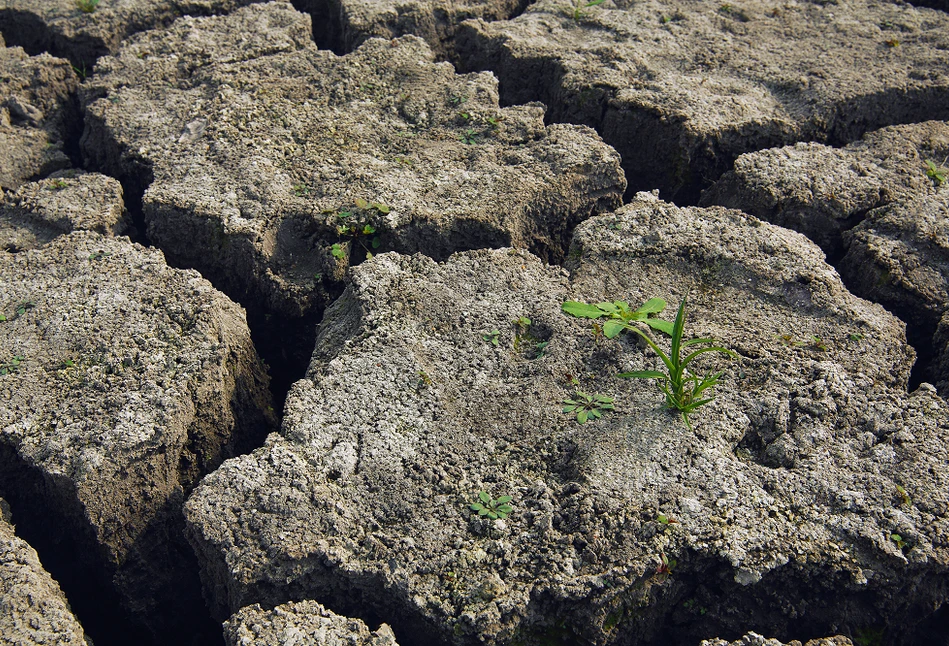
[[643, 374]]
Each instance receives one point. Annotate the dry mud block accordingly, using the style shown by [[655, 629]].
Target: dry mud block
[[428, 387], [33, 609], [37, 114], [123, 381], [342, 25], [754, 639], [822, 191], [304, 622], [62, 28], [681, 89], [37, 212], [271, 165]]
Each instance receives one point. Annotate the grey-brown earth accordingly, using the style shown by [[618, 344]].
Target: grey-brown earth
[[789, 482], [808, 500], [304, 622], [754, 639], [123, 382], [37, 114], [33, 610], [682, 88]]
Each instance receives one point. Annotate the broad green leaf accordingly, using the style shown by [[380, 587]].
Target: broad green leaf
[[476, 506], [485, 498], [376, 242], [382, 208], [658, 324], [612, 328], [505, 509], [504, 499], [609, 307], [582, 416], [582, 310], [361, 203], [652, 306]]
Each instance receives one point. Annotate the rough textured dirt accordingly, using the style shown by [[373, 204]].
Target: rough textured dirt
[[682, 88], [246, 189], [807, 500], [788, 483], [123, 382], [37, 212], [304, 622], [37, 111], [33, 610]]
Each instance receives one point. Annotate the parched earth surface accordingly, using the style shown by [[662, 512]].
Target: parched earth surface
[[403, 237]]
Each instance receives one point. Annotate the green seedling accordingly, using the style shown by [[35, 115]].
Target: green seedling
[[587, 406], [19, 310], [666, 565], [469, 137], [492, 337], [100, 255], [855, 337], [666, 520], [492, 508], [80, 71], [12, 365], [579, 5], [818, 343], [936, 173], [619, 316], [357, 225], [684, 390], [788, 341], [337, 250], [494, 122], [301, 190], [904, 497], [458, 99], [899, 540], [58, 184], [87, 6]]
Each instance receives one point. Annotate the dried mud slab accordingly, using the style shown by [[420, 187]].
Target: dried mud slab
[[304, 622], [681, 89], [822, 191], [35, 611], [427, 388], [62, 28], [754, 639], [37, 114], [271, 166], [342, 25], [37, 212], [123, 381]]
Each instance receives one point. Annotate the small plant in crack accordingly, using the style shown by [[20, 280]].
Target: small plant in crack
[[87, 6], [493, 337], [12, 365], [588, 406], [905, 500], [577, 7], [619, 316], [492, 508], [937, 174], [358, 226], [666, 565], [469, 137], [684, 390], [900, 542]]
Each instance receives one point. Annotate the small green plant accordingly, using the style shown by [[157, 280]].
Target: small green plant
[[587, 406], [11, 366], [87, 6], [936, 173], [100, 255], [494, 122], [492, 508], [469, 137], [892, 42], [457, 99], [619, 316], [788, 341], [818, 343], [856, 337], [579, 5], [666, 565], [358, 224], [337, 251], [899, 540], [492, 337], [19, 310], [58, 184], [904, 496], [301, 190], [666, 520], [684, 390], [80, 71]]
